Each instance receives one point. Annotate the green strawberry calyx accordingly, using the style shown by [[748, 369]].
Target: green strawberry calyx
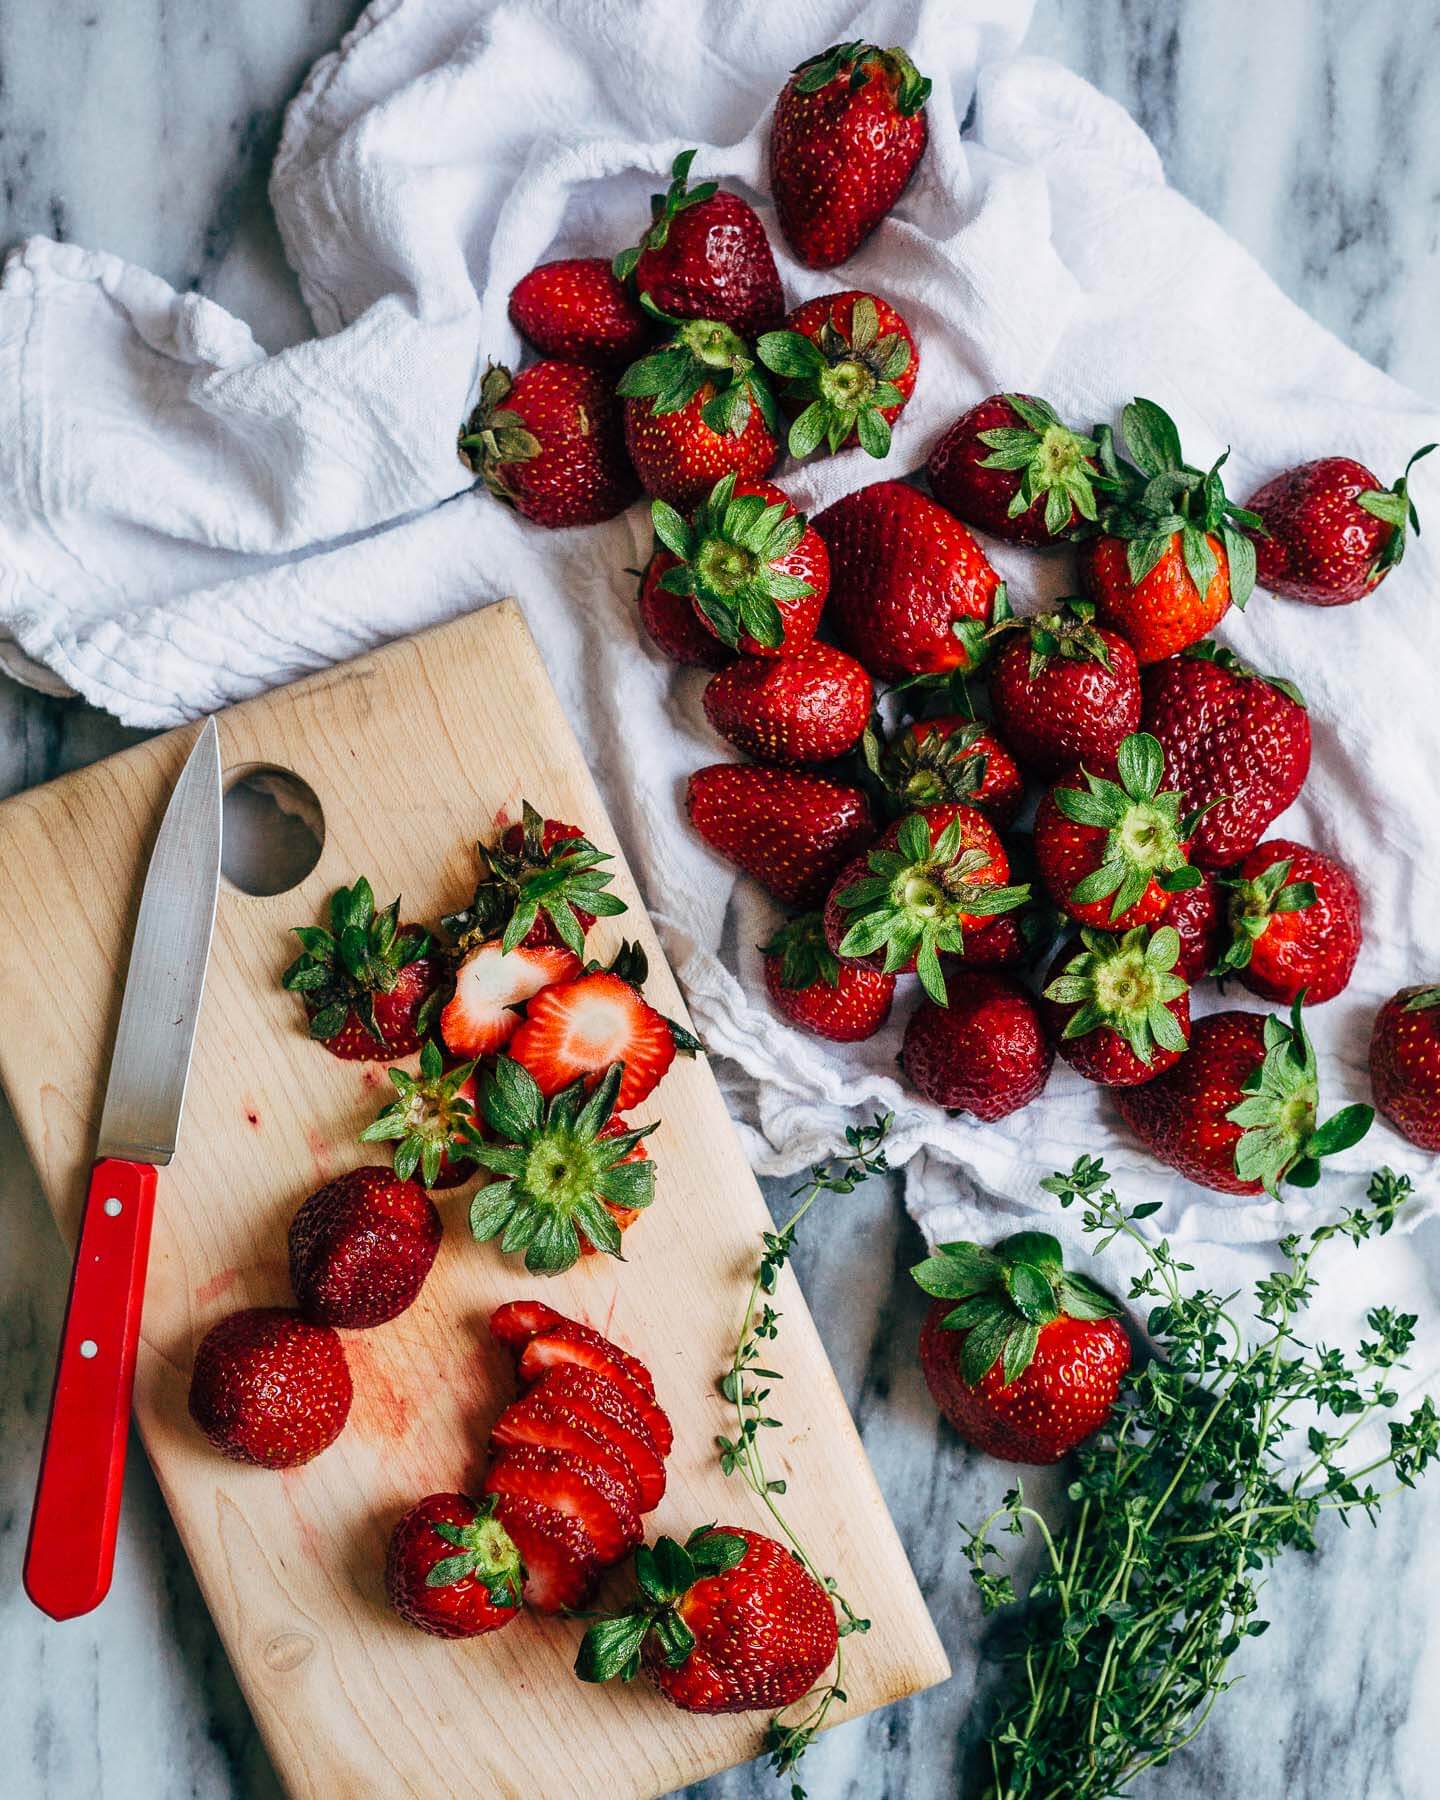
[[1067, 633], [1007, 1295], [856, 61], [663, 210], [927, 770], [703, 353], [364, 953], [806, 960], [1281, 1140], [912, 900], [495, 435], [1125, 985], [1145, 834], [1254, 903], [1423, 999], [1207, 650], [664, 1574], [429, 1121], [483, 1551], [730, 550], [516, 887], [1054, 463], [1394, 507], [841, 383]]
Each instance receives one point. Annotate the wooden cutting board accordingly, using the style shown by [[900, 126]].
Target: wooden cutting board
[[413, 751]]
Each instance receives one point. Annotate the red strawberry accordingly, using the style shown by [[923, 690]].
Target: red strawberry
[[537, 1421], [729, 1622], [1238, 1112], [270, 1388], [561, 1569], [582, 1028], [1023, 1357], [541, 884], [984, 1052], [1195, 914], [809, 985], [1011, 468], [806, 708], [1405, 1064], [698, 409], [570, 1344], [1002, 944], [1294, 917], [754, 569], [452, 1568], [1164, 610], [574, 1485], [517, 1321], [910, 589], [578, 311], [1236, 744], [1331, 533], [490, 984], [848, 130], [361, 1247], [789, 830], [596, 1401], [550, 442], [1065, 690], [1117, 1010], [672, 622], [951, 757], [368, 982], [850, 365], [430, 1121]]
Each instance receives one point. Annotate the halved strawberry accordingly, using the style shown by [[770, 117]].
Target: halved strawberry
[[561, 1567], [490, 983], [574, 1486], [599, 1402], [572, 1343], [580, 1028], [537, 1421], [517, 1321]]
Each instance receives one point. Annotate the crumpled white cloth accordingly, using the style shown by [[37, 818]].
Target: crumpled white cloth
[[185, 520]]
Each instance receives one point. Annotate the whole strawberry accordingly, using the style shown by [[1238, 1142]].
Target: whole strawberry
[[910, 589], [787, 829], [848, 130], [369, 983], [984, 1052], [671, 622], [1065, 690], [1023, 1357], [728, 1622], [849, 365], [544, 883], [1331, 533], [1405, 1064], [578, 311], [1117, 1010], [705, 255], [1294, 919], [1237, 745], [452, 1569], [1239, 1112], [949, 757], [270, 1388], [550, 442], [1197, 917], [361, 1248], [809, 985], [1010, 467], [807, 708], [752, 566], [697, 409]]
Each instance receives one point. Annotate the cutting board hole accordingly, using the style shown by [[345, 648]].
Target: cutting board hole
[[274, 829]]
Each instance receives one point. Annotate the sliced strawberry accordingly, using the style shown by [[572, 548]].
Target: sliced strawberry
[[489, 984], [600, 1403], [574, 1486], [580, 1028], [515, 1323], [570, 1343], [537, 1420], [561, 1567]]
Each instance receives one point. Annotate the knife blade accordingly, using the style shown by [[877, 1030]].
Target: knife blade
[[70, 1557]]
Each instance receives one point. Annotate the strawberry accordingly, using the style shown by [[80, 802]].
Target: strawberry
[[595, 1401], [270, 1388], [624, 1216], [452, 1568], [932, 876], [1111, 853], [1294, 918], [1195, 913], [1002, 944], [1009, 467], [849, 363], [1405, 1064], [910, 589], [671, 621], [1065, 690], [574, 1485], [517, 1321], [1238, 1112], [491, 982], [806, 708], [787, 829], [541, 884], [1236, 744], [561, 1569], [543, 1423], [728, 1622], [369, 982], [577, 311], [430, 1121], [361, 1248], [570, 1344], [1329, 532], [705, 255], [1172, 554], [754, 569], [550, 442], [1117, 1010], [697, 409], [809, 985], [950, 757], [984, 1051], [848, 130], [1023, 1356]]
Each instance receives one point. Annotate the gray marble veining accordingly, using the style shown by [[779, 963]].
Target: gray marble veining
[[1311, 129]]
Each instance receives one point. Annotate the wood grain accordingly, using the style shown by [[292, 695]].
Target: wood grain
[[413, 751]]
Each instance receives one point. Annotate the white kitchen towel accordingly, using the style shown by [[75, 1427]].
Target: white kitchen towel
[[185, 521]]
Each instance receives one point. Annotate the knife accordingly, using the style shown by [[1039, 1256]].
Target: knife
[[71, 1553]]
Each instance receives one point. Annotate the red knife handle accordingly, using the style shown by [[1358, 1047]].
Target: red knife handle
[[71, 1553]]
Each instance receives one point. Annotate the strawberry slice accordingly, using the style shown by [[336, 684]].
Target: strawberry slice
[[561, 1567], [489, 984], [584, 1395], [571, 1343], [515, 1323], [537, 1420], [580, 1028], [571, 1485]]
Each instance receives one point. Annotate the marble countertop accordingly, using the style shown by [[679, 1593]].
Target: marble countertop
[[1310, 132]]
